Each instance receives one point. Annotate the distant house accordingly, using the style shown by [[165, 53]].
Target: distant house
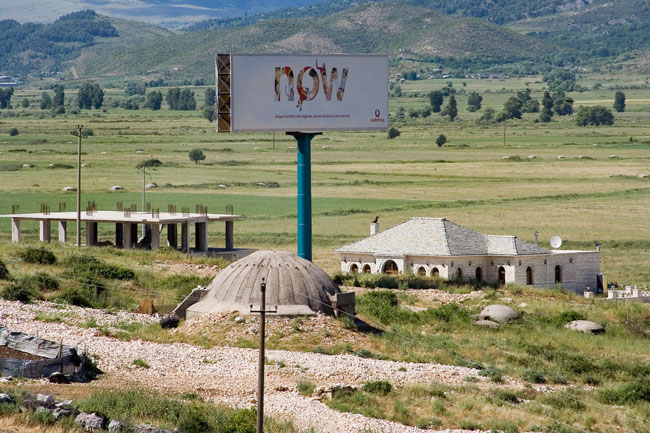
[[440, 248]]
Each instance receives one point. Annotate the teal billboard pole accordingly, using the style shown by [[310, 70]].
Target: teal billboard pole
[[304, 192]]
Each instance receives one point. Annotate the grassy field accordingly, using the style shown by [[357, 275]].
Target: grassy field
[[582, 185]]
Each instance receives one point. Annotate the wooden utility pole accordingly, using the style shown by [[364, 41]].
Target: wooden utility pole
[[260, 367]]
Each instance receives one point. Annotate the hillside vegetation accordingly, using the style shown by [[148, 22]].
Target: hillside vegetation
[[369, 28]]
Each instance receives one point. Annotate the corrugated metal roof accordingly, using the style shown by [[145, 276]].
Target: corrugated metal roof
[[438, 237]]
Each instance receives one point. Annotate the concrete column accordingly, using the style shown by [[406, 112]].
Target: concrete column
[[185, 237], [155, 236], [119, 235], [134, 235], [201, 236], [46, 230], [146, 231], [15, 230], [63, 231], [127, 232], [91, 233], [230, 230], [172, 235]]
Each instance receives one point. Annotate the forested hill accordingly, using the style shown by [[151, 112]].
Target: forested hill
[[368, 28], [29, 48]]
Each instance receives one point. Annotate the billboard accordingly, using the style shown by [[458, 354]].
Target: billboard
[[303, 93]]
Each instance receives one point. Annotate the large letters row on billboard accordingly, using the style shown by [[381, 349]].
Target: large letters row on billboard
[[304, 93]]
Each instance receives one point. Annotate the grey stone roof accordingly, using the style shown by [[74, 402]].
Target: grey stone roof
[[439, 237], [293, 284]]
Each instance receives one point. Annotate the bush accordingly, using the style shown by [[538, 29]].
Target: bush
[[305, 388], [393, 132], [631, 392], [534, 376], [13, 132], [378, 387], [150, 163], [243, 421], [380, 304], [91, 266], [4, 272], [37, 256], [76, 296], [492, 373], [567, 316], [23, 291], [45, 282], [441, 140]]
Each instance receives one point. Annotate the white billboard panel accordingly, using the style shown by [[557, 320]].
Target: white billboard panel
[[308, 93]]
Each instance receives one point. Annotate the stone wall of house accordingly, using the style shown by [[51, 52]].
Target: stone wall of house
[[579, 268]]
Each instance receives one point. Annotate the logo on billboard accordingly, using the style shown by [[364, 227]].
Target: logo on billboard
[[378, 117], [308, 90]]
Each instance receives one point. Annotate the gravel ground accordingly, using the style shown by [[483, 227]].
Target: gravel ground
[[229, 375]]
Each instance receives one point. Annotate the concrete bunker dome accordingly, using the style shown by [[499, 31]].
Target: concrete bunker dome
[[295, 285]]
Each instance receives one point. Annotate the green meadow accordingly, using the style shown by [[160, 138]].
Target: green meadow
[[582, 184]]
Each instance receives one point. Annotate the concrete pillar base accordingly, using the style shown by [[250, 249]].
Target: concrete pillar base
[[63, 231], [172, 235], [45, 230], [15, 230], [230, 230], [185, 237]]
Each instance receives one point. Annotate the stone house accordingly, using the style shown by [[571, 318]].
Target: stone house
[[440, 248]]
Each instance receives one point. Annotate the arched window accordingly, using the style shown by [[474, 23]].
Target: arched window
[[502, 276], [529, 276], [366, 269], [479, 275], [558, 274], [459, 274], [354, 268], [390, 267], [435, 273], [422, 272]]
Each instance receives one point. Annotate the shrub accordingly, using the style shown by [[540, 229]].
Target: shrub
[[305, 388], [140, 363], [23, 290], [534, 376], [563, 400], [89, 265], [393, 132], [492, 373], [567, 316], [378, 387], [75, 296], [631, 392], [380, 304], [37, 255], [45, 282], [150, 163], [441, 140], [13, 132], [243, 421], [4, 272]]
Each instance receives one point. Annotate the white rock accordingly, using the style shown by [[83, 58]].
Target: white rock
[[613, 156], [532, 156], [506, 157], [103, 153], [586, 326], [27, 165], [498, 313], [69, 189], [560, 157], [117, 188], [85, 164], [151, 185], [221, 186], [643, 176]]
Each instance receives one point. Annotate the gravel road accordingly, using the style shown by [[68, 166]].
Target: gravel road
[[229, 375]]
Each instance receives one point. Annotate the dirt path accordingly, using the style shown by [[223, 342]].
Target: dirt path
[[229, 375]]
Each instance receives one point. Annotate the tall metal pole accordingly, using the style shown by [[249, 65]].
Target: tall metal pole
[[304, 192], [143, 185], [260, 368], [79, 128]]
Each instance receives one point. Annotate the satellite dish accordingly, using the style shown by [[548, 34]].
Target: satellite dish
[[556, 242]]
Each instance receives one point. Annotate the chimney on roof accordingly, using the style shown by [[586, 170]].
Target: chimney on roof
[[535, 233], [374, 228]]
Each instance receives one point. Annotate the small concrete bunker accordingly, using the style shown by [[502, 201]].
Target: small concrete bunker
[[295, 285]]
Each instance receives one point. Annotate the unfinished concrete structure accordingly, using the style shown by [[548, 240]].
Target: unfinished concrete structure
[[439, 248], [295, 285], [126, 227]]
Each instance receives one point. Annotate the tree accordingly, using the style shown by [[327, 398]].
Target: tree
[[178, 99], [90, 96], [25, 103], [210, 113], [597, 115], [452, 108], [474, 102], [133, 88], [530, 106], [210, 97], [547, 108], [436, 99], [59, 96], [46, 101], [619, 101], [196, 155], [5, 97], [154, 100], [393, 133], [488, 115], [562, 104], [441, 140], [512, 108], [13, 132]]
